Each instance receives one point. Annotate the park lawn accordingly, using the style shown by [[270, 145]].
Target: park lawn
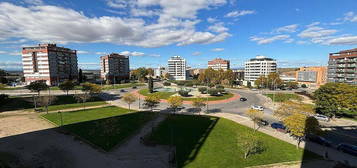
[[213, 98], [121, 86], [16, 103], [203, 141], [282, 97], [104, 127], [162, 95]]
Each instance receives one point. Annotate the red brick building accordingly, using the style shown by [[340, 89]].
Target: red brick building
[[218, 64]]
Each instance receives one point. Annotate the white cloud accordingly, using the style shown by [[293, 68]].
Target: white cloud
[[34, 2], [101, 53], [217, 49], [10, 65], [301, 42], [313, 24], [218, 27], [82, 52], [176, 24], [287, 29], [316, 32], [350, 16], [15, 53], [345, 40], [3, 52], [211, 20], [134, 53], [117, 3], [196, 53], [239, 13], [267, 40]]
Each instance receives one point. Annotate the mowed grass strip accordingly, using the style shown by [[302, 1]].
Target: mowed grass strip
[[282, 97], [162, 95], [213, 98], [68, 102], [203, 141], [104, 127]]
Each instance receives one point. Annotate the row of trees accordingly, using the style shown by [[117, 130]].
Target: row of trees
[[336, 99], [211, 76], [142, 74]]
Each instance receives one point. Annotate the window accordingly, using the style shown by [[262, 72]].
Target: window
[[34, 62]]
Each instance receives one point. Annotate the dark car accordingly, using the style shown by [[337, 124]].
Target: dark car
[[278, 126], [262, 122], [134, 87], [348, 148], [122, 90], [319, 140], [243, 99]]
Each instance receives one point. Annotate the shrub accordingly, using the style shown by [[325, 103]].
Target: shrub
[[180, 83], [167, 84], [2, 86], [211, 85], [3, 98], [221, 90], [203, 90], [183, 93], [189, 84], [219, 87], [212, 92], [303, 86]]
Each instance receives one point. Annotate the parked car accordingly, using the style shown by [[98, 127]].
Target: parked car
[[322, 117], [278, 126], [319, 140], [347, 148], [122, 90], [254, 89], [262, 122], [255, 107], [134, 87], [243, 99]]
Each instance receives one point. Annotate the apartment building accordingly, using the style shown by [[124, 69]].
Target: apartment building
[[313, 77], [177, 68], [218, 64], [49, 63], [342, 67], [114, 68], [258, 66]]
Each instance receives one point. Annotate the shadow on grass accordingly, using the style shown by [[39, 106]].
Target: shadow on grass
[[176, 132]]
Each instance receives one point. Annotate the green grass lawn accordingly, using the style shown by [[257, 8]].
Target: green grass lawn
[[162, 95], [166, 95], [103, 127], [203, 141], [281, 97], [121, 86]]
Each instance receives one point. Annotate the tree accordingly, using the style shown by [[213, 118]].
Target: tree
[[66, 86], [167, 76], [37, 86], [151, 101], [167, 84], [3, 76], [212, 92], [140, 73], [91, 88], [273, 80], [175, 102], [304, 85], [261, 82], [255, 116], [198, 103], [300, 125], [82, 98], [338, 99], [150, 72], [250, 144], [80, 76], [229, 77], [129, 98], [151, 85], [203, 90], [289, 108], [45, 101], [293, 85], [183, 93]]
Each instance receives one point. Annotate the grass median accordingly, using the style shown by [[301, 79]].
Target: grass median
[[282, 97]]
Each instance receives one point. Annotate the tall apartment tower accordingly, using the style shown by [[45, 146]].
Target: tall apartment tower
[[177, 68], [342, 67], [114, 67], [218, 64], [49, 63], [258, 66]]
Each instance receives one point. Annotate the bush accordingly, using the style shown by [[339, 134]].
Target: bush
[[211, 85], [303, 86], [203, 90], [212, 92], [2, 86], [220, 90], [167, 84], [180, 83], [3, 99], [189, 84], [183, 93], [219, 87]]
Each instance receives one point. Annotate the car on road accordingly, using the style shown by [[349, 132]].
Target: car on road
[[262, 122], [255, 107], [278, 126], [319, 140], [322, 117], [347, 148], [122, 90], [134, 87], [254, 89], [243, 99]]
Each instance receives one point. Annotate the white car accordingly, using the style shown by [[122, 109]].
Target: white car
[[321, 117], [255, 107]]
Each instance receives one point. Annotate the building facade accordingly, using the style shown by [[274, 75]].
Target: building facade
[[49, 63], [160, 72], [342, 67], [258, 66], [218, 64], [313, 77], [177, 68], [114, 68]]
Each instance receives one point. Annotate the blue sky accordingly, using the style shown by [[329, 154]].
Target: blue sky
[[295, 32]]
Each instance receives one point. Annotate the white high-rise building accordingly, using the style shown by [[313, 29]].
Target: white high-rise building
[[177, 68], [258, 66]]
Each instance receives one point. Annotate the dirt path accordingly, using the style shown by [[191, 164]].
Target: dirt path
[[135, 154]]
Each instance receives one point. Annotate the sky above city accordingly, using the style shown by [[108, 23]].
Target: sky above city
[[294, 32]]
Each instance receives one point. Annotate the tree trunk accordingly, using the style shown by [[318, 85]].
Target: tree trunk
[[47, 109], [129, 107], [67, 92]]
